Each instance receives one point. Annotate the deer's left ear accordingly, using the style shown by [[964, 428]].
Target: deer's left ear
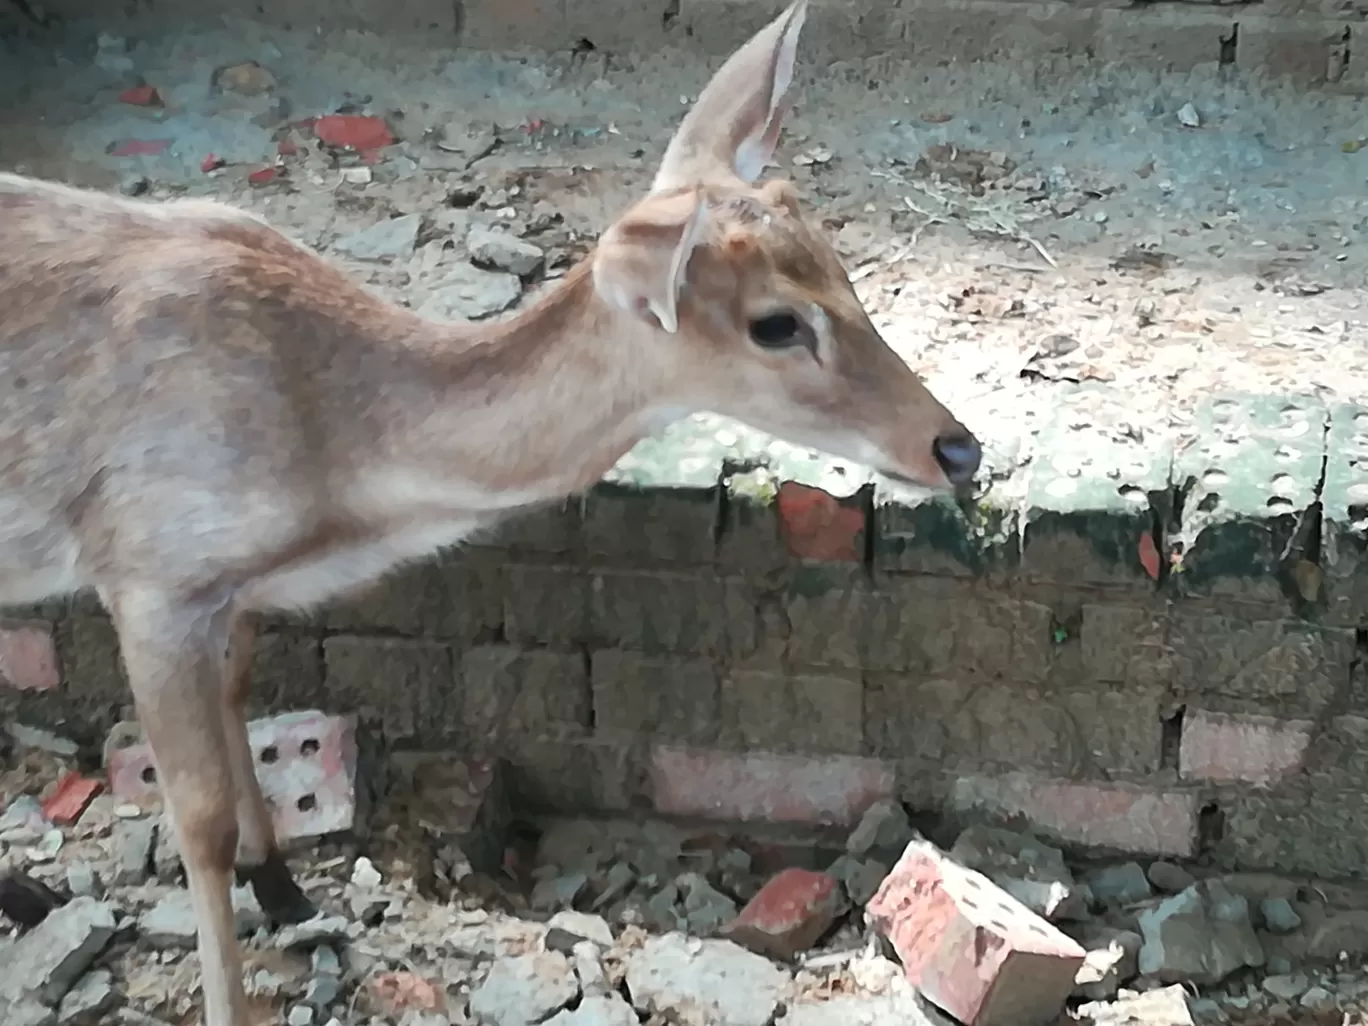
[[642, 261]]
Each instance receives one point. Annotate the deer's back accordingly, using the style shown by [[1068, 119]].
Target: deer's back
[[165, 381]]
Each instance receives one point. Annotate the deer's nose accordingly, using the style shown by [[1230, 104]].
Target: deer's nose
[[958, 456]]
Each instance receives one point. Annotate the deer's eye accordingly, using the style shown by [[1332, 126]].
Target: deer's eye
[[777, 331]]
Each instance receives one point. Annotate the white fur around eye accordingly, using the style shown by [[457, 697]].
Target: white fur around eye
[[821, 326]]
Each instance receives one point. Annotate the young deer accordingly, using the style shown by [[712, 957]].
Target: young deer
[[202, 419]]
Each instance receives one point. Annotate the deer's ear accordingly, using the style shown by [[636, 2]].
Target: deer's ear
[[734, 127], [641, 264]]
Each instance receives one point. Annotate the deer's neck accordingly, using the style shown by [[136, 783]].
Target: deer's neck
[[527, 410]]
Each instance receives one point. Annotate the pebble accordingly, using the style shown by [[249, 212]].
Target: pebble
[[364, 875], [883, 827], [92, 995], [583, 925], [502, 251], [1124, 884], [1279, 916], [83, 881], [300, 1015], [321, 929], [1170, 878], [1286, 986], [558, 891]]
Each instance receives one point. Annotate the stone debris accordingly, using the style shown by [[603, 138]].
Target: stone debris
[[1200, 935], [497, 250], [1169, 878], [1166, 1006], [1279, 916], [582, 926], [470, 294], [705, 982], [859, 877], [884, 827], [1028, 869], [387, 241], [321, 929], [170, 923], [91, 997], [1113, 958], [524, 990], [598, 1010], [46, 962], [1124, 884], [973, 950]]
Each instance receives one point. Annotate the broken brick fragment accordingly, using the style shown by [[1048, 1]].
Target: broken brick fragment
[[353, 132], [970, 947], [70, 799], [819, 526], [211, 163], [141, 96], [789, 914], [263, 176]]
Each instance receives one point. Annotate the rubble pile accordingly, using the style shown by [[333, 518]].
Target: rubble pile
[[602, 924]]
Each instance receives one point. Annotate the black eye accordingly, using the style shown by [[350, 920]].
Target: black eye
[[776, 331]]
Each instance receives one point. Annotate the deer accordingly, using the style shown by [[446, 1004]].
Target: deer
[[204, 420]]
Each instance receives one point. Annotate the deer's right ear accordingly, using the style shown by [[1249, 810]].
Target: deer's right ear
[[733, 129], [641, 264]]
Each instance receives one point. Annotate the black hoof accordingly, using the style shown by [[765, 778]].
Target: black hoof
[[276, 891]]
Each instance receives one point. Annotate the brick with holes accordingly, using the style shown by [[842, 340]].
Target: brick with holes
[[970, 947], [305, 761]]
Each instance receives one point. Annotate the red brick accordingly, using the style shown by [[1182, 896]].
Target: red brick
[[305, 761], [767, 787], [353, 131], [141, 96], [28, 658], [789, 914], [1110, 816], [969, 947], [818, 526], [70, 798], [1225, 747]]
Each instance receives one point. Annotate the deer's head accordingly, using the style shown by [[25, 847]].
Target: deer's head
[[752, 314]]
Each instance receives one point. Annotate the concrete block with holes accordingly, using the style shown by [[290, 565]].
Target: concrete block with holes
[[1247, 484], [305, 762], [971, 948]]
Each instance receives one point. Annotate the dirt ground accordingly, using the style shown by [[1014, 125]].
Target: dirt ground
[[1010, 228]]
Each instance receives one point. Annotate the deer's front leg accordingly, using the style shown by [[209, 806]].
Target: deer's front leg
[[175, 651]]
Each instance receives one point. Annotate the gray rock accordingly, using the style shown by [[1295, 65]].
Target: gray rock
[[524, 990], [719, 981], [321, 929], [1318, 999], [705, 908], [883, 827], [86, 1003], [1028, 869], [860, 877], [502, 251], [558, 891], [300, 1015], [469, 294], [166, 860], [1119, 885], [1169, 878], [582, 924], [83, 881], [26, 1012], [616, 882], [1112, 959], [1342, 934], [25, 736], [598, 1010], [134, 844], [865, 1010], [389, 240], [323, 961], [1279, 916], [1201, 935], [50, 958], [588, 960], [1287, 986], [1166, 1006], [662, 910], [322, 992]]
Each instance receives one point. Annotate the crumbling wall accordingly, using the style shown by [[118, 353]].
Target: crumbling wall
[[1131, 644], [1310, 41]]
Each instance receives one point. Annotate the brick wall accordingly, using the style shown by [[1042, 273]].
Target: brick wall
[[1307, 40], [1133, 648]]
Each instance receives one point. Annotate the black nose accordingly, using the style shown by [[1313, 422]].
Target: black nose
[[959, 456]]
